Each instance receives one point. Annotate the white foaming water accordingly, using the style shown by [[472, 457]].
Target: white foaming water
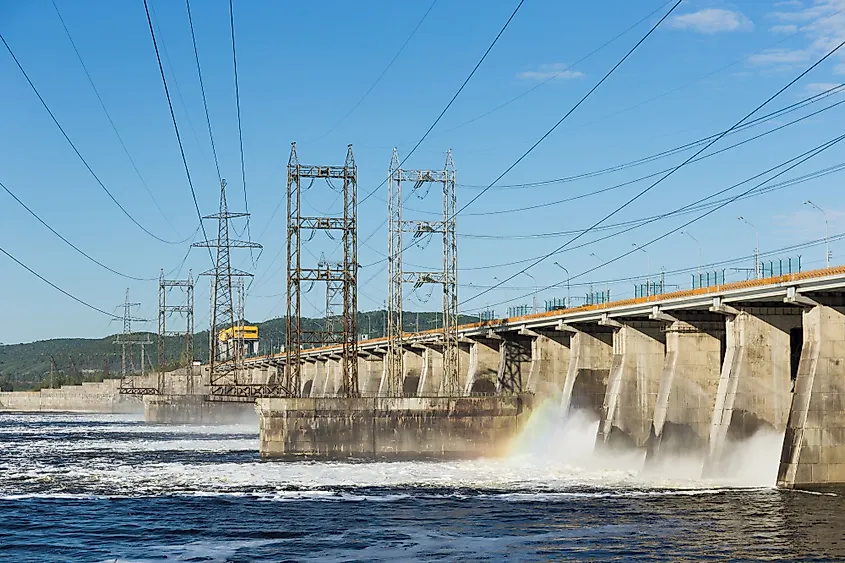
[[552, 461]]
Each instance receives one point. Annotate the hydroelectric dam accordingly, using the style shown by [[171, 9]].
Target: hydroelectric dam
[[690, 373]]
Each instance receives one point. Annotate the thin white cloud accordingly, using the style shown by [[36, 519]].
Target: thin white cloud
[[557, 71], [784, 28], [819, 87], [780, 57], [839, 69], [822, 24], [712, 20], [789, 4]]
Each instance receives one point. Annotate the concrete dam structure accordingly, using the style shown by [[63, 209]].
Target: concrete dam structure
[[687, 373]]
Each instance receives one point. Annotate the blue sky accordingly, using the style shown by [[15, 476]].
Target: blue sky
[[303, 66]]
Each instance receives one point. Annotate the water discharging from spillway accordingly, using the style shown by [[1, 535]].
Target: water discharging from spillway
[[564, 440], [110, 488]]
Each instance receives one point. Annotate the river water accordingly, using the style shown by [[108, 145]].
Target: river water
[[110, 488]]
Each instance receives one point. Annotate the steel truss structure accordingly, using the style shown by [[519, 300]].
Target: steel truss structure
[[447, 277], [186, 310], [128, 385], [226, 367], [341, 277]]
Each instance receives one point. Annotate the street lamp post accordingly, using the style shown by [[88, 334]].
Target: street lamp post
[[648, 268], [568, 296], [826, 232], [699, 249], [536, 291], [756, 246]]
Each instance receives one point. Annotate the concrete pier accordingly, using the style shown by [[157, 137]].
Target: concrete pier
[[196, 409], [755, 384], [813, 453], [638, 354], [88, 397], [550, 356], [515, 359], [689, 384], [391, 427], [431, 377], [483, 365], [590, 360]]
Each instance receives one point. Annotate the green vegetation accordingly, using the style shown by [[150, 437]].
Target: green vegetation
[[74, 360]]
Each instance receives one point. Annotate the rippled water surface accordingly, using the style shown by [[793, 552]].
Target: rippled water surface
[[110, 488]]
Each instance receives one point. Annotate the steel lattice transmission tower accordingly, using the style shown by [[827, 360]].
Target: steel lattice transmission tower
[[186, 309], [340, 276], [447, 277], [226, 362], [126, 340]]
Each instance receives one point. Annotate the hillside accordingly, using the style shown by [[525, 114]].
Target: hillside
[[27, 366]]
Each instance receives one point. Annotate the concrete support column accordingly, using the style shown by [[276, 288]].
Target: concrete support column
[[550, 356], [638, 351], [688, 387], [813, 452], [483, 366], [590, 358], [463, 373], [318, 388], [369, 374], [514, 364], [334, 377], [309, 370], [431, 377], [755, 384], [412, 364]]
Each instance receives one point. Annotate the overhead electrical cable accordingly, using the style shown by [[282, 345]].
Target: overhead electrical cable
[[837, 89], [66, 241], [454, 97], [202, 90], [176, 128], [109, 117], [559, 73], [59, 289], [668, 174], [653, 174], [240, 130], [380, 76], [807, 156], [79, 154]]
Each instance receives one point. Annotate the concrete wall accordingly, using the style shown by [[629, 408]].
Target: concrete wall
[[755, 383], [370, 371], [397, 427], [483, 366], [192, 409], [412, 367], [638, 354], [550, 356], [431, 377], [88, 397], [688, 387], [814, 446], [591, 356]]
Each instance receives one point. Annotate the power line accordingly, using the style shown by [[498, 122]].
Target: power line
[[75, 150], [451, 101], [560, 72], [66, 241], [380, 76], [202, 89], [689, 208], [240, 131], [176, 127], [657, 173], [54, 286], [806, 156], [568, 113], [669, 152], [662, 178], [109, 117]]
